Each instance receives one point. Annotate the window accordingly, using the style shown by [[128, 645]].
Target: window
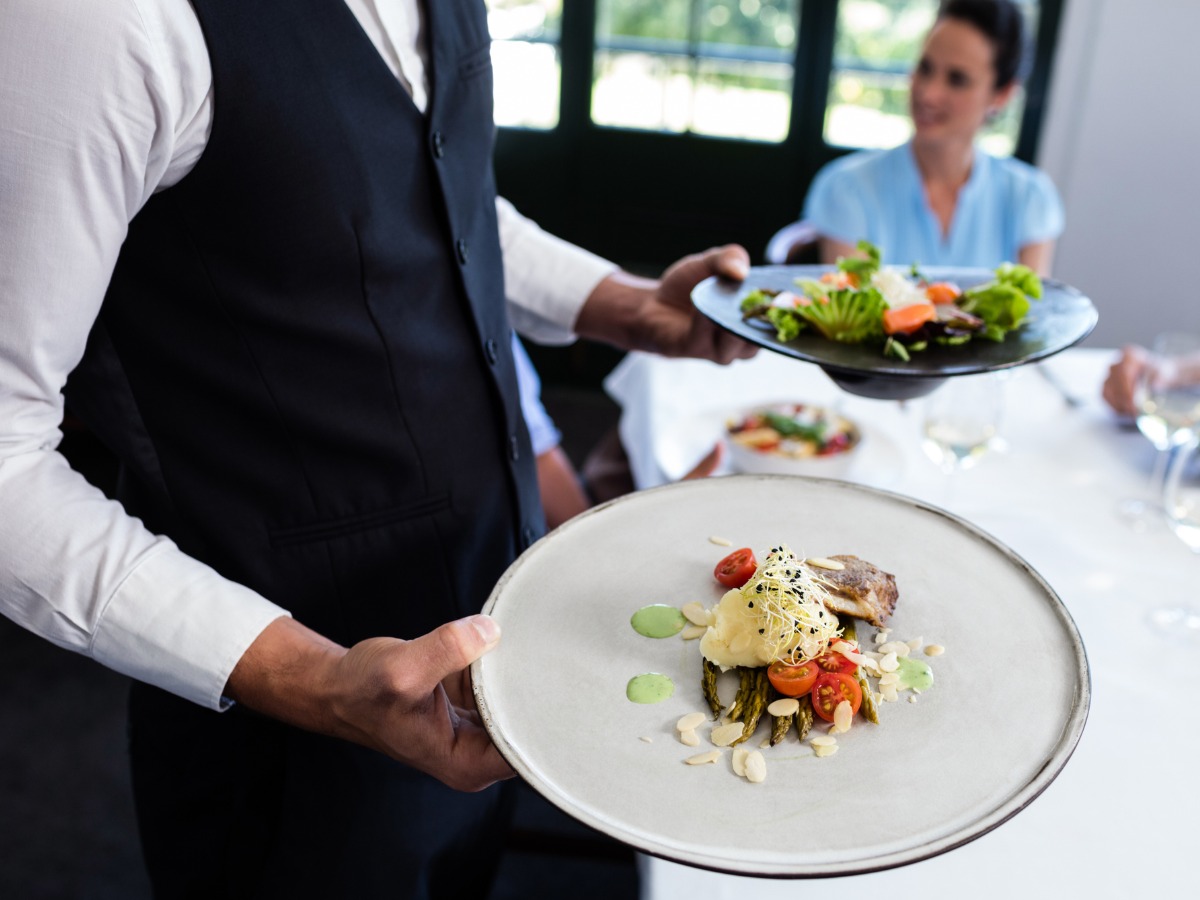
[[712, 67], [875, 45], [526, 41]]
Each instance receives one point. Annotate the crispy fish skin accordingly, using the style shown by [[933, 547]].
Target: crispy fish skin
[[860, 589]]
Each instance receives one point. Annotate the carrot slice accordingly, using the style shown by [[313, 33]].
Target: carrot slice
[[907, 319]]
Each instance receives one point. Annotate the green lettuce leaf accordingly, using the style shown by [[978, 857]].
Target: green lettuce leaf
[[851, 316], [1002, 306], [863, 268], [787, 325]]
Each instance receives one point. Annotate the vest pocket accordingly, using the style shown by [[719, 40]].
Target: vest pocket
[[371, 520]]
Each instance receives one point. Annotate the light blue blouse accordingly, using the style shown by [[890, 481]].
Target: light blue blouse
[[877, 195]]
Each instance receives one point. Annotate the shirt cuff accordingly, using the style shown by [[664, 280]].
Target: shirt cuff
[[176, 624], [546, 279]]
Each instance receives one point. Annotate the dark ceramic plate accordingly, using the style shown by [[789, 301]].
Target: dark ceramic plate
[[1062, 318]]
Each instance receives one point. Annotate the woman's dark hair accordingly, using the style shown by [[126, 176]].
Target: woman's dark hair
[[1001, 23]]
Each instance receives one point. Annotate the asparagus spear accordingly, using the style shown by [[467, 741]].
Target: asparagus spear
[[779, 724], [708, 683], [804, 716], [756, 701]]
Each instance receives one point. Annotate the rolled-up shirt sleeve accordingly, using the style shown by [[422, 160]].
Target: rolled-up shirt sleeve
[[87, 124], [546, 279]]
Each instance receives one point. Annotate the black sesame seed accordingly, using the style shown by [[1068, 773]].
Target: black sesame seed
[[761, 630]]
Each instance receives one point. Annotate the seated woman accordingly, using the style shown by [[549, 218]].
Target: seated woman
[[939, 199]]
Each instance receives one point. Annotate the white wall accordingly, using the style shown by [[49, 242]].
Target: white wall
[[1121, 140]]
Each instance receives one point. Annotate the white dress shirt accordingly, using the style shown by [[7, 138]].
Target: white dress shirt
[[103, 103]]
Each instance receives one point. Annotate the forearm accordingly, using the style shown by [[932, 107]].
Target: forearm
[[290, 673], [612, 312]]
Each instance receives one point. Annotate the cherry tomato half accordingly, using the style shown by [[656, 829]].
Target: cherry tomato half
[[793, 681], [832, 661], [831, 689], [735, 569]]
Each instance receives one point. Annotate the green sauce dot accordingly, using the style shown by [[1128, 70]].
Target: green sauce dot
[[649, 688], [658, 621], [913, 674]]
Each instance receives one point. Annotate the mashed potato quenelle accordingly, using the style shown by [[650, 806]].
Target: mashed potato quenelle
[[779, 614]]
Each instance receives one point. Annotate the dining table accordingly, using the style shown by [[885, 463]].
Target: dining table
[[1121, 819]]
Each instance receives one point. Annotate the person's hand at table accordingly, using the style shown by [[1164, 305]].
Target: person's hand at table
[[1121, 384], [658, 316], [410, 700]]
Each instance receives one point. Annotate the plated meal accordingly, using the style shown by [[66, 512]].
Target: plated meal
[[788, 628], [592, 713], [796, 438], [863, 302], [849, 347]]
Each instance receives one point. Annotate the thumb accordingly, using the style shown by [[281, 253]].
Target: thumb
[[731, 261], [452, 647]]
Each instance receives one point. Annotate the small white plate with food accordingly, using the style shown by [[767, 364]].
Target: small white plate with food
[[783, 437]]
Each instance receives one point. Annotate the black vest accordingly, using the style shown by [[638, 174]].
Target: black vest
[[303, 359]]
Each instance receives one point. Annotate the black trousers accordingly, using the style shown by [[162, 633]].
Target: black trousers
[[234, 805]]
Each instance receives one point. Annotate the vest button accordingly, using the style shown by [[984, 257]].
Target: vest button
[[461, 246], [514, 449], [439, 145], [492, 352]]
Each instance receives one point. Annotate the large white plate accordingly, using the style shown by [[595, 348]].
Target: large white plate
[[1009, 703]]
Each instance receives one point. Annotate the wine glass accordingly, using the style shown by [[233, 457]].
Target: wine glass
[[1167, 397], [960, 422], [1181, 503]]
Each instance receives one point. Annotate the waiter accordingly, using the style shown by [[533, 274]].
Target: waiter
[[262, 240]]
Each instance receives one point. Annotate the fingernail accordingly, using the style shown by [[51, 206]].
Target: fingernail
[[739, 269], [486, 628]]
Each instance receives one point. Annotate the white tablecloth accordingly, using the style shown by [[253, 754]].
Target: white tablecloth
[[1123, 818]]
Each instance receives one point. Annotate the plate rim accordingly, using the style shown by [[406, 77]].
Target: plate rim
[[1072, 731]]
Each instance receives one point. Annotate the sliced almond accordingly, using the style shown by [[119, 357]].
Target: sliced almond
[[784, 706], [724, 735], [756, 767], [823, 740], [691, 721], [691, 632], [740, 752], [646, 740], [842, 715], [881, 637], [690, 738], [827, 750], [915, 643], [700, 759], [889, 663], [935, 650], [898, 647], [695, 612], [888, 678], [720, 541], [822, 563]]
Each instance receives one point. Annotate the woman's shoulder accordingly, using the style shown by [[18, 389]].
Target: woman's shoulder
[[863, 165], [1019, 177]]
